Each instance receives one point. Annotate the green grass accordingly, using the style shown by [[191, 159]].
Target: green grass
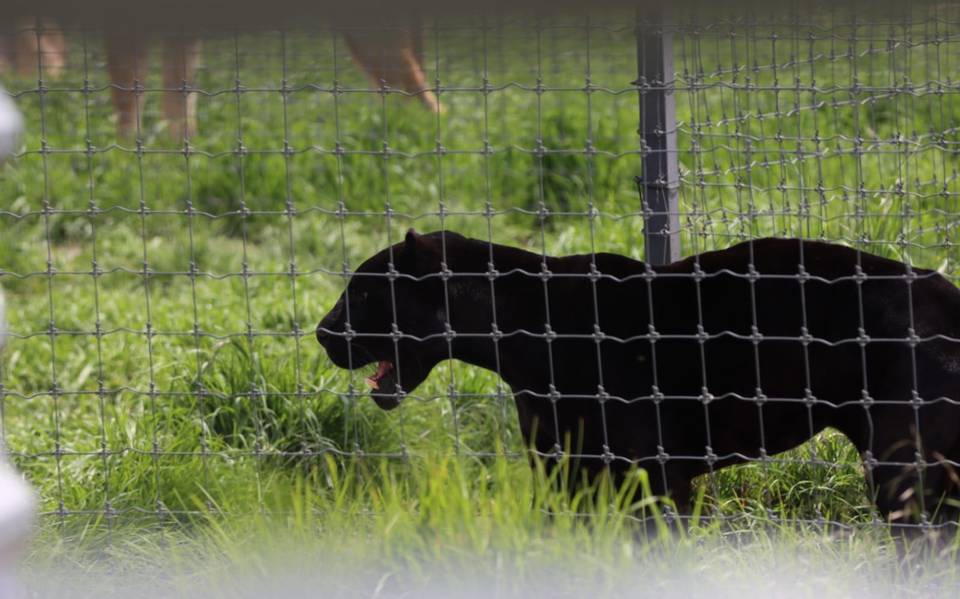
[[435, 526], [230, 405]]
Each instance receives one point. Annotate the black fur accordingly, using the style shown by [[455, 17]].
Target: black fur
[[842, 341]]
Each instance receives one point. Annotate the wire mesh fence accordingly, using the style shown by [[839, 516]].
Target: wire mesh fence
[[185, 210]]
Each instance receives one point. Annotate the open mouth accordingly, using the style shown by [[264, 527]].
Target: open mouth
[[384, 369], [383, 385], [382, 376]]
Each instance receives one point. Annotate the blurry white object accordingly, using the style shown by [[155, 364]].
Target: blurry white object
[[11, 125], [16, 512], [17, 505], [17, 502]]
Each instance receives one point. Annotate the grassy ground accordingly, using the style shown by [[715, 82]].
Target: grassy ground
[[162, 368], [434, 531]]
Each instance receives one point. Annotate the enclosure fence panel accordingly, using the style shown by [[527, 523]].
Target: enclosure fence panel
[[188, 204]]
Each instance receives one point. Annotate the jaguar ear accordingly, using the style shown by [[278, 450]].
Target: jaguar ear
[[419, 252], [410, 242], [413, 248]]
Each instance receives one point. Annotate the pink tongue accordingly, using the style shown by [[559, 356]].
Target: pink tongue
[[382, 369]]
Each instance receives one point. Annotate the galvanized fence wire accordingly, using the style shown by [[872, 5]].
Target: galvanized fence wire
[[835, 125]]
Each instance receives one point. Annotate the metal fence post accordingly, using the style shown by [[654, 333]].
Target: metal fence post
[[659, 183]]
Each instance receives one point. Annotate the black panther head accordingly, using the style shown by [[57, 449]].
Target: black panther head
[[393, 317]]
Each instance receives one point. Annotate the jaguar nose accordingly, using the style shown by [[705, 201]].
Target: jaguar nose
[[330, 323]]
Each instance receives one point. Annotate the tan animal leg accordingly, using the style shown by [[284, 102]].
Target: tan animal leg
[[31, 44], [127, 64], [393, 57], [181, 54]]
